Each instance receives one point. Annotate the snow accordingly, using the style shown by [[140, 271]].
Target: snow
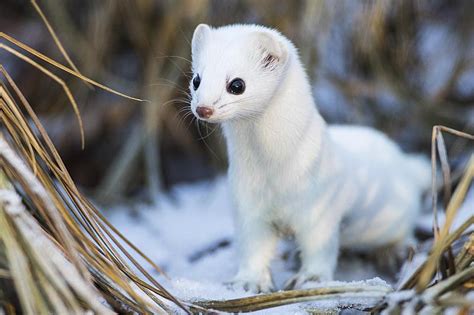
[[190, 236], [25, 173], [55, 263], [20, 166], [189, 220]]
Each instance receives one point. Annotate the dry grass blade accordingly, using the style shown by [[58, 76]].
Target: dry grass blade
[[61, 66], [447, 285], [443, 156], [56, 223], [37, 264], [265, 301], [466, 256], [55, 38], [62, 171], [437, 143], [56, 64], [55, 77], [73, 224], [440, 243], [413, 279], [59, 81]]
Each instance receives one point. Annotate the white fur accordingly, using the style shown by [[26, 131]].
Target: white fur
[[332, 186]]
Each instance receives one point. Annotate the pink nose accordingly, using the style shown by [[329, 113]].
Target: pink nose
[[204, 112]]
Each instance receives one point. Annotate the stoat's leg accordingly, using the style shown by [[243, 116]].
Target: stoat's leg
[[319, 244], [256, 246]]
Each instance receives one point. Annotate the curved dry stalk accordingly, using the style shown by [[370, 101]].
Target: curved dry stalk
[[466, 255], [21, 233], [412, 280], [6, 112], [436, 291], [94, 240], [440, 243], [60, 66], [60, 169], [437, 143], [265, 301], [95, 260], [55, 38], [63, 67], [8, 158], [58, 80]]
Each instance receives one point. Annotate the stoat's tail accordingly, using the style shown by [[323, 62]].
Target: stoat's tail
[[419, 168]]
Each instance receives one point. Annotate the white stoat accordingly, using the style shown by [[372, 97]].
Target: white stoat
[[331, 185]]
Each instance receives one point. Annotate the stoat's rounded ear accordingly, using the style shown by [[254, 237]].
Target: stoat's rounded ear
[[273, 49], [199, 37]]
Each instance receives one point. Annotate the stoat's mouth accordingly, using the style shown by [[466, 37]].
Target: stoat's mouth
[[215, 118], [212, 120]]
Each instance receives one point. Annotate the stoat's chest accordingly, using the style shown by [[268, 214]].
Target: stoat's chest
[[273, 177], [273, 165]]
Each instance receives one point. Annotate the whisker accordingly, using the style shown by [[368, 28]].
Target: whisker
[[183, 119], [192, 120], [236, 101], [176, 57], [178, 67], [209, 134], [173, 85], [203, 140], [169, 82], [175, 101], [184, 109], [165, 82]]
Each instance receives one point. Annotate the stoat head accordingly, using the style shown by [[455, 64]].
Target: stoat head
[[236, 70]]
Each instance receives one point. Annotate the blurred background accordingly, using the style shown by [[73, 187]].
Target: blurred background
[[399, 66]]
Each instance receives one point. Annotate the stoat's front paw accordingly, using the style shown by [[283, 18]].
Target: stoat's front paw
[[262, 285], [299, 279]]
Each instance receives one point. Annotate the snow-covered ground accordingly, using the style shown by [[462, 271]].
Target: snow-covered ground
[[190, 236]]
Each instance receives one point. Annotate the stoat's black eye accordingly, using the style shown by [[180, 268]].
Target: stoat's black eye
[[236, 86], [196, 82]]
